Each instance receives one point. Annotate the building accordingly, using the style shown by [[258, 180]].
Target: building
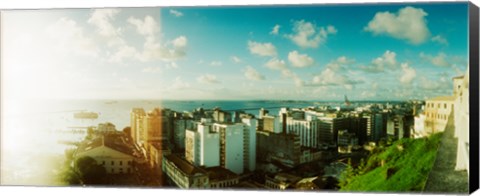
[[250, 142], [281, 147], [271, 124], [229, 145], [419, 125], [307, 129], [329, 127], [346, 141], [222, 116], [220, 177], [180, 125], [111, 151], [202, 146], [156, 151], [184, 174], [462, 121], [152, 126], [281, 181], [106, 127], [136, 124], [437, 112]]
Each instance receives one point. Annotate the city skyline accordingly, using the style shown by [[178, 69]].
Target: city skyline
[[236, 53]]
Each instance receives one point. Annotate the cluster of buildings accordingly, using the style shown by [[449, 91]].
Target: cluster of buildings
[[214, 148]]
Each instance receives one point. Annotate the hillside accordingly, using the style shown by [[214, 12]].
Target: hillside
[[403, 166]]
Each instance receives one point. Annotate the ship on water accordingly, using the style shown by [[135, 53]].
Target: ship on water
[[85, 115]]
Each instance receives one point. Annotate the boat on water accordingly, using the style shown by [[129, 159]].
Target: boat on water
[[85, 115]]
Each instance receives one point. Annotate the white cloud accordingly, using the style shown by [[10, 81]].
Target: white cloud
[[300, 60], [101, 19], [307, 35], [235, 59], [329, 77], [216, 63], [69, 36], [147, 27], [152, 70], [179, 84], [339, 63], [153, 49], [252, 74], [440, 39], [176, 13], [276, 64], [379, 64], [434, 85], [275, 30], [180, 42], [439, 60], [122, 53], [408, 24], [408, 74], [208, 78], [262, 49]]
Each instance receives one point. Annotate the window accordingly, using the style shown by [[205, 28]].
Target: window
[[445, 105], [103, 162], [120, 162], [113, 163]]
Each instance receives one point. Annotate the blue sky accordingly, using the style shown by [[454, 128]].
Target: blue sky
[[367, 52]]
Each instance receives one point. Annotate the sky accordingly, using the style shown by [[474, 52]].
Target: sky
[[316, 52]]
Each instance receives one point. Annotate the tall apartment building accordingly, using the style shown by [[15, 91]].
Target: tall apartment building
[[222, 144], [153, 126], [136, 124], [180, 125], [329, 127], [307, 129], [376, 125]]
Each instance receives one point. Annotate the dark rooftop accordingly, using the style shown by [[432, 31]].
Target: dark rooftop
[[184, 165], [219, 173]]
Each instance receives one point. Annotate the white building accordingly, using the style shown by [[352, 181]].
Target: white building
[[202, 145], [229, 145], [462, 118], [419, 126], [437, 112], [308, 129], [114, 156]]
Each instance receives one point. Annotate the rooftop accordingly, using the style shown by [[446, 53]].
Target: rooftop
[[184, 165], [219, 173], [442, 98], [114, 141]]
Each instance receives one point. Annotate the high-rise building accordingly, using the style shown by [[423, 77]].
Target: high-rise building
[[329, 127], [136, 124], [222, 144], [307, 129], [180, 125], [250, 141], [202, 146]]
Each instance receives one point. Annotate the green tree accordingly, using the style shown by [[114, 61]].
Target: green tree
[[89, 171]]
